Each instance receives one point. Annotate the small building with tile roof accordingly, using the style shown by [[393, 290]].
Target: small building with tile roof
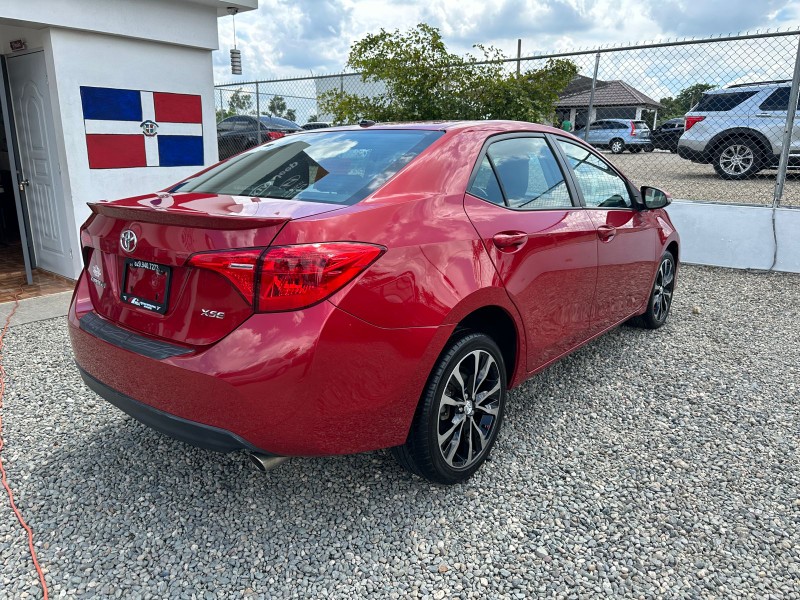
[[613, 99]]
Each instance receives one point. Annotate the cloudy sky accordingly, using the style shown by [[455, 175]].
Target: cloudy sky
[[287, 38]]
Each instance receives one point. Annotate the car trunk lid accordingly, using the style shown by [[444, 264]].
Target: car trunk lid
[[136, 253]]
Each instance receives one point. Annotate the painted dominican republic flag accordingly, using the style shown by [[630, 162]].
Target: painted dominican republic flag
[[133, 128]]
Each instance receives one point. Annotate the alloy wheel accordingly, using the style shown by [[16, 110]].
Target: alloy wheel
[[662, 293], [468, 410], [616, 147], [736, 159]]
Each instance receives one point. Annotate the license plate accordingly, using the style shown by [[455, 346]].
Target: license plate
[[146, 284]]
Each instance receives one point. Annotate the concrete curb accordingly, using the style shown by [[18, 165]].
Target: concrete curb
[[36, 309]]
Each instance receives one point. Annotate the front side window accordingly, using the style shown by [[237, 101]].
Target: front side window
[[600, 185], [778, 100], [340, 167], [529, 174]]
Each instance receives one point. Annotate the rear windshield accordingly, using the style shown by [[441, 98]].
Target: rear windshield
[[721, 102], [340, 167], [641, 125]]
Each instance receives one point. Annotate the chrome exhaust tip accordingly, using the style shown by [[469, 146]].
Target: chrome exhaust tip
[[263, 462]]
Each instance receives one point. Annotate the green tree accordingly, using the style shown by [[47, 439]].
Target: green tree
[[277, 108], [684, 101], [424, 81], [238, 104]]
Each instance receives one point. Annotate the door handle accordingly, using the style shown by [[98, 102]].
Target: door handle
[[606, 233], [510, 241], [763, 115], [23, 184]]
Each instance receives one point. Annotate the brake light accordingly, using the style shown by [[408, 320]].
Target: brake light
[[293, 277], [238, 266], [690, 122], [274, 135], [633, 129], [290, 277]]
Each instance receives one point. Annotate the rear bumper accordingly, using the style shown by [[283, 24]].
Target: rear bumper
[[307, 383], [190, 432], [692, 155]]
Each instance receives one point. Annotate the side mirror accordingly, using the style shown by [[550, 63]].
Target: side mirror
[[654, 197]]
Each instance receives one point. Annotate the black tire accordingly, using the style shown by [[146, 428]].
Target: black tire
[[738, 158], [422, 454], [617, 146], [649, 148], [635, 149], [660, 301]]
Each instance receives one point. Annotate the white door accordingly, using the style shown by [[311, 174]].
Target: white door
[[40, 174]]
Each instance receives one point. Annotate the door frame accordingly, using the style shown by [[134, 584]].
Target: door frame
[[13, 156]]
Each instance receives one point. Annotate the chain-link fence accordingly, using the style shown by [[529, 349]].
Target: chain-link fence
[[705, 120]]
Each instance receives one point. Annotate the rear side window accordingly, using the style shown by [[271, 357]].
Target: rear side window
[[778, 100], [722, 102], [617, 125], [529, 174], [341, 167], [485, 184]]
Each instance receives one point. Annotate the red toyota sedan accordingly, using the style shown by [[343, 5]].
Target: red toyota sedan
[[350, 289]]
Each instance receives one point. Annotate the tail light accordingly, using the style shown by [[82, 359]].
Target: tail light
[[690, 122], [86, 243], [633, 129], [238, 266], [274, 135], [290, 277]]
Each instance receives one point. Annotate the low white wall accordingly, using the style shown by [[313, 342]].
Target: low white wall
[[84, 59], [736, 236]]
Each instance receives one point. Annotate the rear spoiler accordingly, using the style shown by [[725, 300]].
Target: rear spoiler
[[183, 217]]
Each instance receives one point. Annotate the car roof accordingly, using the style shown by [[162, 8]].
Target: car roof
[[749, 87], [278, 121]]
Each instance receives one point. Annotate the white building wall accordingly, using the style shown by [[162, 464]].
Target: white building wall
[[181, 22], [83, 59]]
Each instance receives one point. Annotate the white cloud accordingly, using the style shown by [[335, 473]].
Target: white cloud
[[295, 38]]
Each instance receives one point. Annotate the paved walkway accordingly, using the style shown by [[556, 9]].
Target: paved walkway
[[36, 309]]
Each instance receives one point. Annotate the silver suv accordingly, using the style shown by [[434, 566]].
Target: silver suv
[[739, 129]]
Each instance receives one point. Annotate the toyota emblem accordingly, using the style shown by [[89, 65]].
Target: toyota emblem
[[127, 239]]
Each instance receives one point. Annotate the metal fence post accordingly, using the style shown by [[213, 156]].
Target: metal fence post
[[258, 110], [591, 98], [788, 130], [519, 54]]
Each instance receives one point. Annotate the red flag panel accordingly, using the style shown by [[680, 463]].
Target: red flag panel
[[108, 151], [177, 108]]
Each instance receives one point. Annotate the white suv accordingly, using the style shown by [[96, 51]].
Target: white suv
[[739, 129]]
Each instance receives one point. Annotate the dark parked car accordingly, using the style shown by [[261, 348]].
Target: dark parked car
[[666, 135], [349, 289], [238, 133]]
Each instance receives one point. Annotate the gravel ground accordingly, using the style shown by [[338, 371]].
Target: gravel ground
[[690, 181], [648, 464]]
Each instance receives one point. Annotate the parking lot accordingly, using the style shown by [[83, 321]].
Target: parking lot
[[691, 181], [649, 464]]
